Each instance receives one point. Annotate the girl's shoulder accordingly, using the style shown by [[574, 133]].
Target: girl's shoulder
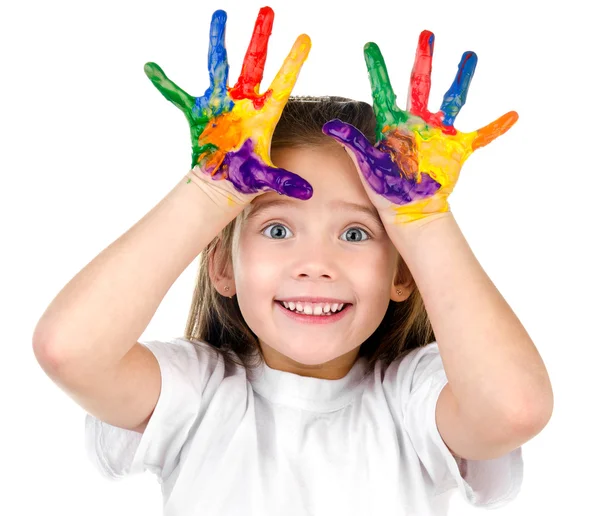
[[183, 354], [187, 353], [414, 367]]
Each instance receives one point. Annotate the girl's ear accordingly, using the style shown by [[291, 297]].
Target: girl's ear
[[220, 269], [404, 289], [403, 282]]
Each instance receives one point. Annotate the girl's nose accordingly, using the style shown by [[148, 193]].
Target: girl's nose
[[316, 262]]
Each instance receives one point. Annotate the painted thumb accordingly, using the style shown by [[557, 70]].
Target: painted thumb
[[349, 136]]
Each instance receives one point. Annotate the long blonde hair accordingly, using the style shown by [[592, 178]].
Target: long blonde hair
[[218, 321]]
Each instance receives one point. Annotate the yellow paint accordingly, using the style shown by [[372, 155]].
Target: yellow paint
[[229, 131], [441, 156]]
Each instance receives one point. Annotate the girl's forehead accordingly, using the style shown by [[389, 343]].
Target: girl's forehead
[[328, 169], [322, 157]]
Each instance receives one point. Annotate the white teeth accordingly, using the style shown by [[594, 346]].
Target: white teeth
[[313, 308]]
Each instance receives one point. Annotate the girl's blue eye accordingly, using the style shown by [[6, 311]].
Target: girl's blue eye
[[354, 238], [275, 232]]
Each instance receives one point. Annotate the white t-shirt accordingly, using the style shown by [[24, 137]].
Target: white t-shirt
[[222, 442]]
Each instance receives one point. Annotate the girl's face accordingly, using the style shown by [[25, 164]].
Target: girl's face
[[288, 249]]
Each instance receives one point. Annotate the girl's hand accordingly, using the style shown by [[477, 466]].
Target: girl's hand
[[231, 128], [416, 161]]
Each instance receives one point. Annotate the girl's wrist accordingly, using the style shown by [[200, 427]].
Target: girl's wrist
[[415, 214], [409, 237], [220, 191], [414, 225]]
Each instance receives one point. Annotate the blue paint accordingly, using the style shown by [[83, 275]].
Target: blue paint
[[215, 100], [430, 42], [456, 96]]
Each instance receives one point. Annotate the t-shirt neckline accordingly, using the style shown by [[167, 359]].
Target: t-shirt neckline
[[306, 392]]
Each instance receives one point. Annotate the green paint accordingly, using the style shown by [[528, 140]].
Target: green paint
[[387, 112], [199, 111]]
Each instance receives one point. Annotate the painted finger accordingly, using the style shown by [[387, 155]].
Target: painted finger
[[256, 56], [378, 169], [249, 174], [168, 88], [373, 164], [456, 96], [284, 81], [218, 67], [420, 77], [384, 98], [497, 128], [348, 135]]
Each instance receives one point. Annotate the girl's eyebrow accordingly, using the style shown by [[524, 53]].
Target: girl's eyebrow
[[370, 211]]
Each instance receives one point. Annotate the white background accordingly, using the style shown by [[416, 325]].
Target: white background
[[88, 146]]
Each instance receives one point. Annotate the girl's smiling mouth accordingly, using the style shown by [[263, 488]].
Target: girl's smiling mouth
[[314, 313]]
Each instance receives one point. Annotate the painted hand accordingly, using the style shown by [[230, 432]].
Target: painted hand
[[417, 158], [231, 128]]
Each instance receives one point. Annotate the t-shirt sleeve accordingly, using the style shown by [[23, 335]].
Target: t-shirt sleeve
[[190, 376], [420, 378]]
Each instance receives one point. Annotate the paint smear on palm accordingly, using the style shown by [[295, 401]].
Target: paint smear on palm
[[416, 161], [231, 128]]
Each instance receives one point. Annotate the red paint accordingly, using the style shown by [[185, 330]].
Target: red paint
[[420, 85], [254, 62], [420, 77]]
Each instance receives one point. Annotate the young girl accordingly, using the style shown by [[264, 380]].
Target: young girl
[[309, 380]]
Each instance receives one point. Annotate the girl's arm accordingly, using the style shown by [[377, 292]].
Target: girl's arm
[[87, 338], [100, 314], [86, 341], [496, 377], [498, 394]]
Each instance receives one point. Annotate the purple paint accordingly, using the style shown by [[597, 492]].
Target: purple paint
[[249, 174], [385, 176]]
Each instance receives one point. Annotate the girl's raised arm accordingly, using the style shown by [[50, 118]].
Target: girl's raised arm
[[86, 340]]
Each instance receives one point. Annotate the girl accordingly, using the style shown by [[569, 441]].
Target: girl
[[309, 379]]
